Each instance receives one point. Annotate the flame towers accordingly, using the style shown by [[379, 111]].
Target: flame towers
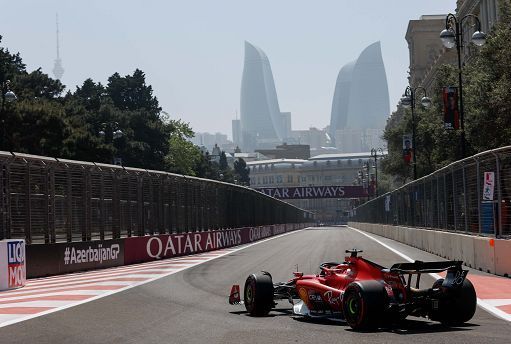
[[262, 123], [361, 102]]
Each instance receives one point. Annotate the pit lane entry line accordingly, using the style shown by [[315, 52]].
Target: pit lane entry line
[[64, 301], [482, 303]]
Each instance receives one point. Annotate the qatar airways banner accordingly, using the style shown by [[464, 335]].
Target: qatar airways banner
[[142, 249], [332, 191]]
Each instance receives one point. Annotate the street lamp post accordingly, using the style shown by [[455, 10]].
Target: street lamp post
[[408, 100], [110, 132], [9, 97], [374, 154], [452, 36]]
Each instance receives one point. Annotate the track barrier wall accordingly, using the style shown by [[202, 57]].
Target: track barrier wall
[[478, 252], [78, 215], [59, 258]]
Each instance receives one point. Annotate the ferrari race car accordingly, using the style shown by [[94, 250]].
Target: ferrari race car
[[364, 294]]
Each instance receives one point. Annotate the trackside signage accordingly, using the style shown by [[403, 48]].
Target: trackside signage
[[52, 259], [309, 192], [139, 249], [13, 273]]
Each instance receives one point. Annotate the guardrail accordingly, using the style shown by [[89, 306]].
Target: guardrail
[[472, 196], [49, 200]]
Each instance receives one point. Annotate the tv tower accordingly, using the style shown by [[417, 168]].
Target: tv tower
[[58, 70]]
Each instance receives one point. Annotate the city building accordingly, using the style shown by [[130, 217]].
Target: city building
[[209, 141], [314, 137], [425, 46], [360, 102], [321, 170], [262, 123], [236, 132], [286, 151]]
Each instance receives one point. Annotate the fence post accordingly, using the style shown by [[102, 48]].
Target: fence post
[[465, 203], [438, 202], [478, 195], [51, 204], [498, 231], [446, 220], [28, 219], [69, 205], [454, 200]]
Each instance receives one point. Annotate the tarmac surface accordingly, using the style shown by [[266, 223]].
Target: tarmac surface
[[191, 306]]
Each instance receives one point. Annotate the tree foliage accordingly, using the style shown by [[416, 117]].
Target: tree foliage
[[487, 105], [80, 124]]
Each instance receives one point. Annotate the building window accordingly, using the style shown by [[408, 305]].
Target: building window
[[289, 178], [279, 179]]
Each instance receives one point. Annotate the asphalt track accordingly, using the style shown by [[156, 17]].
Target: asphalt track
[[191, 306]]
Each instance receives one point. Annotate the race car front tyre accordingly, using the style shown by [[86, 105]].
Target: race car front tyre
[[258, 294], [364, 304], [456, 306]]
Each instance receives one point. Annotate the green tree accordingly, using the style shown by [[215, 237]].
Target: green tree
[[487, 88], [242, 172], [183, 156]]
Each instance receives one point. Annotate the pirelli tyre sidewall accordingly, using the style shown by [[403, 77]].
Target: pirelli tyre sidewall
[[364, 304], [258, 294], [455, 306]]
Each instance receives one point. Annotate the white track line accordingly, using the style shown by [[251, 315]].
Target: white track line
[[228, 251], [485, 305]]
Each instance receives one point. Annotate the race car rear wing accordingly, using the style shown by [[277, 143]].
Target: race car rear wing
[[419, 267], [454, 278]]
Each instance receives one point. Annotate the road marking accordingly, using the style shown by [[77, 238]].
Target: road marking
[[48, 295], [483, 303]]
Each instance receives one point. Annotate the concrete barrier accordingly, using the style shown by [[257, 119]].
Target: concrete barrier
[[483, 253], [59, 258], [503, 257]]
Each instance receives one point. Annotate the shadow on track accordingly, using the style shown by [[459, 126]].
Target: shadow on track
[[407, 326], [280, 312]]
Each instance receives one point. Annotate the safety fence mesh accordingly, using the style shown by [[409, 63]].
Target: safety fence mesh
[[472, 196], [47, 200]]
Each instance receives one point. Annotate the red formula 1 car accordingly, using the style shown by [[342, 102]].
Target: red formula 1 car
[[365, 294]]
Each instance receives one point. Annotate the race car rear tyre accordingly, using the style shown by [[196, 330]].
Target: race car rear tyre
[[364, 304], [258, 294], [456, 306]]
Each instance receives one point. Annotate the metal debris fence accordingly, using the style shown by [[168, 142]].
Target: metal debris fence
[[472, 196], [48, 200]]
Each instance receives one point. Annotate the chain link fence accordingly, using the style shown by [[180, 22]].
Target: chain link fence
[[472, 195], [48, 200]]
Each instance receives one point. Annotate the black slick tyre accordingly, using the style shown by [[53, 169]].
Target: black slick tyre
[[456, 306], [258, 294], [364, 305]]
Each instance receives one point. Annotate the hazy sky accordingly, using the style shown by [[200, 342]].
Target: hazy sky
[[192, 51]]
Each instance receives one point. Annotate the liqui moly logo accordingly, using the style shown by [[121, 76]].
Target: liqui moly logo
[[16, 264]]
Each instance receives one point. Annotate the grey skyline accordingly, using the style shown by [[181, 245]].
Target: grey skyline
[[191, 51]]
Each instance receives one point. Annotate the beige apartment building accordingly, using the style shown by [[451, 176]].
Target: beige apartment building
[[321, 170], [426, 49]]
